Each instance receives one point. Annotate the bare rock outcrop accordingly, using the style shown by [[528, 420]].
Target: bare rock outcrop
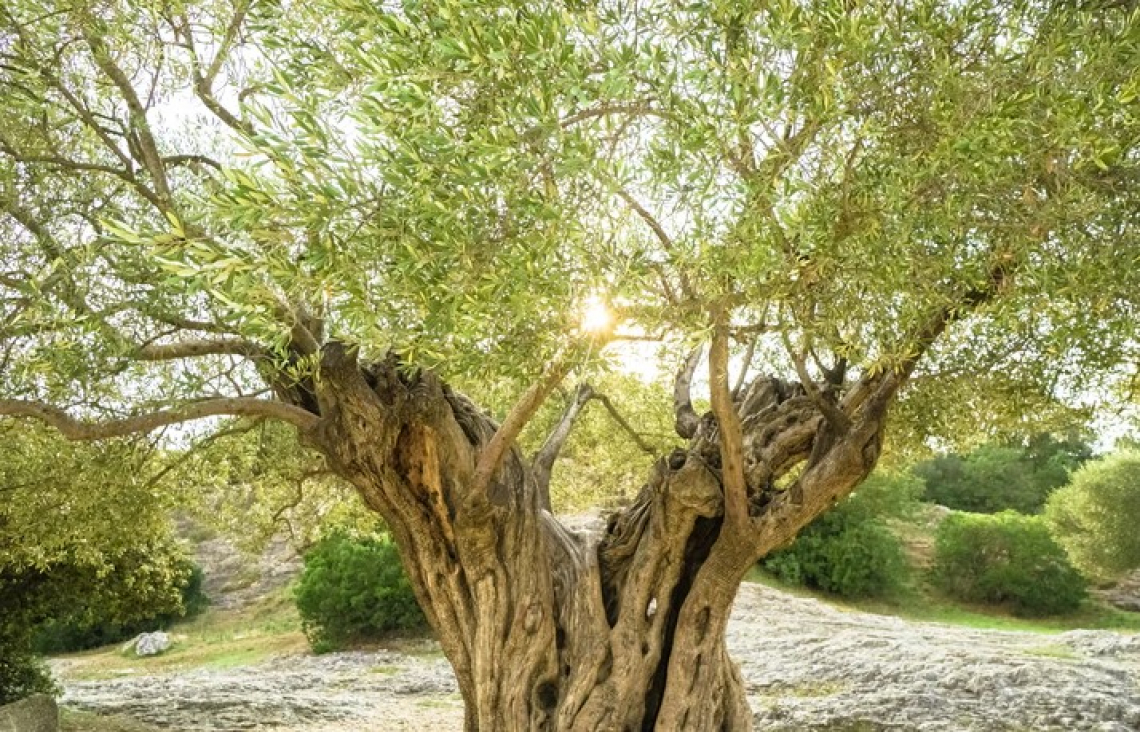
[[807, 666]]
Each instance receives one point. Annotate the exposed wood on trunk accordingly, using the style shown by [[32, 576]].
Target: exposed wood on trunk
[[686, 417]]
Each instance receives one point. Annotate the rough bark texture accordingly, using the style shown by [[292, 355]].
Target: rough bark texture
[[548, 629]]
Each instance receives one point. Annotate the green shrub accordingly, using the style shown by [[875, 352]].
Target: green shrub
[[352, 589], [1005, 558], [844, 552], [1095, 517], [849, 551], [22, 673], [101, 625]]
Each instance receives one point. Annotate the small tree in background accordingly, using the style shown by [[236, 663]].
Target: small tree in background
[[99, 625], [1003, 476], [84, 537], [1095, 517]]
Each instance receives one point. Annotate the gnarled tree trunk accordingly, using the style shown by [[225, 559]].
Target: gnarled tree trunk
[[548, 629]]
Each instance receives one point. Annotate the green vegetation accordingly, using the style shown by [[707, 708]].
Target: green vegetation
[[214, 639], [843, 556], [850, 551], [353, 588], [1097, 516], [330, 214], [85, 547], [21, 673], [1003, 476], [623, 428], [72, 720], [921, 601], [100, 627], [1005, 558]]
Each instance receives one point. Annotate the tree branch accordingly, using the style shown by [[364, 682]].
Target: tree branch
[[173, 161], [839, 421], [196, 348], [662, 236], [744, 368], [605, 110], [686, 419], [496, 449], [648, 218], [78, 429], [542, 464], [634, 435], [227, 43], [879, 389], [731, 438], [148, 148]]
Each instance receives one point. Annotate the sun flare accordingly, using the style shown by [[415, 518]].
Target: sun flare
[[597, 318]]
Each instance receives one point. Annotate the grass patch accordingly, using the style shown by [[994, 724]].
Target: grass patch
[[73, 720], [921, 602], [215, 639], [1053, 650], [808, 690], [384, 670]]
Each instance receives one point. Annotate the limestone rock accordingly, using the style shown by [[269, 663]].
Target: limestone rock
[[806, 666], [1125, 594], [37, 713], [151, 644]]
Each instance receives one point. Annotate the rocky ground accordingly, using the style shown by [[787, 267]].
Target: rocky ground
[[808, 666]]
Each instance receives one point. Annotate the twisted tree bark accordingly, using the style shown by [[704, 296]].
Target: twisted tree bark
[[549, 629]]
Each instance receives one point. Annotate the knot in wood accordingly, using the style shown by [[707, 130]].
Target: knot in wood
[[533, 617]]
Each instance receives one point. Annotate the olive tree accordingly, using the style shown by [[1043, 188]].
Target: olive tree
[[332, 213]]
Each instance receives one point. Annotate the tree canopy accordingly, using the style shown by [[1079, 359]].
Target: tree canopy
[[339, 214], [230, 184]]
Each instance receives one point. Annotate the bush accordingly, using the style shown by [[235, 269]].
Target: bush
[[101, 626], [1095, 517], [844, 555], [1005, 558], [352, 589], [22, 673]]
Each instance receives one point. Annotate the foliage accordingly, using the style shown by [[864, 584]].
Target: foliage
[[354, 588], [83, 535], [849, 551], [886, 494], [200, 202], [996, 477], [394, 177], [74, 502], [99, 627], [22, 673], [1095, 517], [1005, 558], [254, 479]]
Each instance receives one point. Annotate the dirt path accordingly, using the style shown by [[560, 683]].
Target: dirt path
[[808, 666]]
